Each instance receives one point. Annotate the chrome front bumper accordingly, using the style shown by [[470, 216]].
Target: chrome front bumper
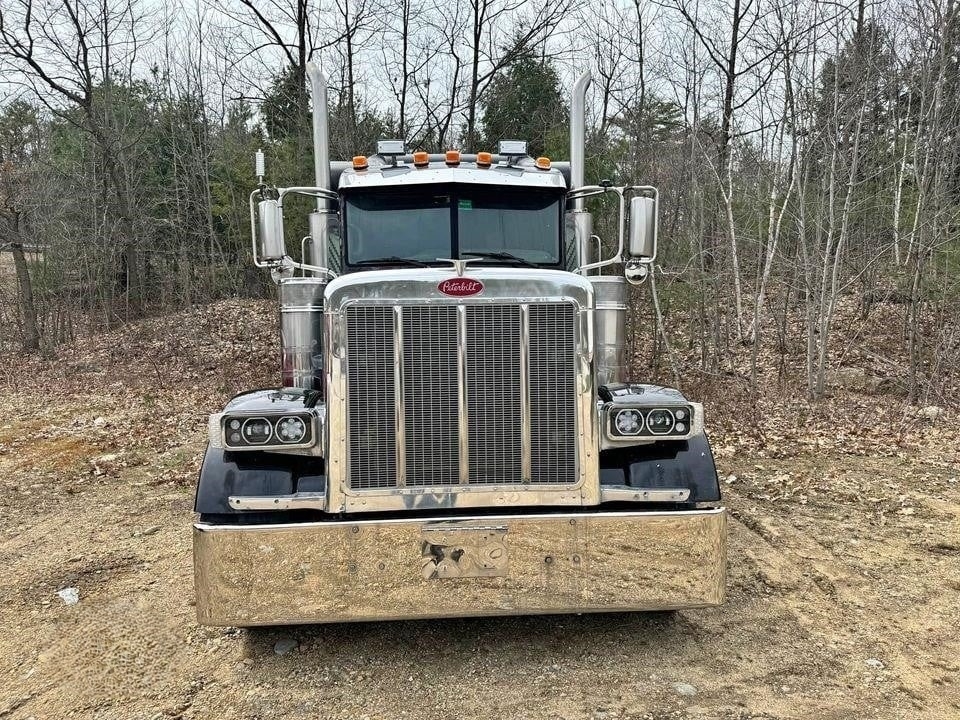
[[436, 567]]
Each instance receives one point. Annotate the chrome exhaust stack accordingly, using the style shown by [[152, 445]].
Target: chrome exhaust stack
[[610, 291], [301, 298], [582, 220], [319, 220], [578, 133]]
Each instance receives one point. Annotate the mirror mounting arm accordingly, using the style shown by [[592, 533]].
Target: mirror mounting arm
[[271, 234], [591, 191]]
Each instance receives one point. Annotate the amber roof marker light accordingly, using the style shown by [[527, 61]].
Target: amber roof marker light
[[421, 159], [542, 163], [452, 157], [360, 162], [484, 159]]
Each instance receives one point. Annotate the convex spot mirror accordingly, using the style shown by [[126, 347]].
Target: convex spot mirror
[[643, 228], [271, 243]]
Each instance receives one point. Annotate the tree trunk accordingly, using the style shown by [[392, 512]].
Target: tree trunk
[[28, 311]]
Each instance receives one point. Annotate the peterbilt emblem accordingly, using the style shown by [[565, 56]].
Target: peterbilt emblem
[[460, 287]]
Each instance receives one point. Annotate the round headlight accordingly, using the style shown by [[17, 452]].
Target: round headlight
[[660, 422], [257, 431], [291, 430], [628, 422]]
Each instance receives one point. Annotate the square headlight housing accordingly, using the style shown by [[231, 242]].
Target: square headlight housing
[[656, 422], [264, 431], [629, 421]]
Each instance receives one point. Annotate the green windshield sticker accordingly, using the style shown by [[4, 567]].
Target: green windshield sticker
[[465, 204]]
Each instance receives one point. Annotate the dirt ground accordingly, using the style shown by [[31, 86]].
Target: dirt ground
[[844, 572]]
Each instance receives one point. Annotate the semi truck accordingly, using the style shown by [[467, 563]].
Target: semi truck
[[457, 430]]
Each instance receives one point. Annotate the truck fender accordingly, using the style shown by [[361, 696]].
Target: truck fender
[[685, 464], [226, 473]]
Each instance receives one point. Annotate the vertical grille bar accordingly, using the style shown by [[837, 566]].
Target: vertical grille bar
[[399, 409], [525, 393], [462, 397]]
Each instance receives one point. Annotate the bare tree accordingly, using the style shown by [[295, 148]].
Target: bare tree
[[20, 141], [727, 53], [409, 47], [440, 85], [74, 51], [490, 48]]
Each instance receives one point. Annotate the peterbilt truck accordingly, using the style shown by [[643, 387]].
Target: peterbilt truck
[[457, 430]]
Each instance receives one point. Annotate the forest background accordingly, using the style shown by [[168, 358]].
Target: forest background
[[807, 154]]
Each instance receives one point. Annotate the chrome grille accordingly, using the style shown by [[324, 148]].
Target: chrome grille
[[493, 393], [552, 426], [430, 397], [371, 394], [508, 370]]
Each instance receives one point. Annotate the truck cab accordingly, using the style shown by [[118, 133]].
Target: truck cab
[[456, 431]]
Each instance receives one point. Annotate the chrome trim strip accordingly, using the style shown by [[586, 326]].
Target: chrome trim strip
[[341, 525], [525, 462], [462, 399], [335, 368], [399, 411], [446, 301], [441, 497], [619, 494], [524, 175], [296, 501]]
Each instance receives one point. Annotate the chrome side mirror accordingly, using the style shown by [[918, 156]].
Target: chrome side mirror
[[271, 245], [643, 228]]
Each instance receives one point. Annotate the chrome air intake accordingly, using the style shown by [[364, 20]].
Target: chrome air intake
[[610, 327], [301, 332]]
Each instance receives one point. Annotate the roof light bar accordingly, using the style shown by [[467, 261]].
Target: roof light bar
[[513, 148], [389, 148]]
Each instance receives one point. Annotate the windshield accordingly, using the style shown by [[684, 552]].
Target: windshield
[[429, 222]]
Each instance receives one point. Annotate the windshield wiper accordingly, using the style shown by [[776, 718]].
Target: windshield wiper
[[391, 260], [502, 256]]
